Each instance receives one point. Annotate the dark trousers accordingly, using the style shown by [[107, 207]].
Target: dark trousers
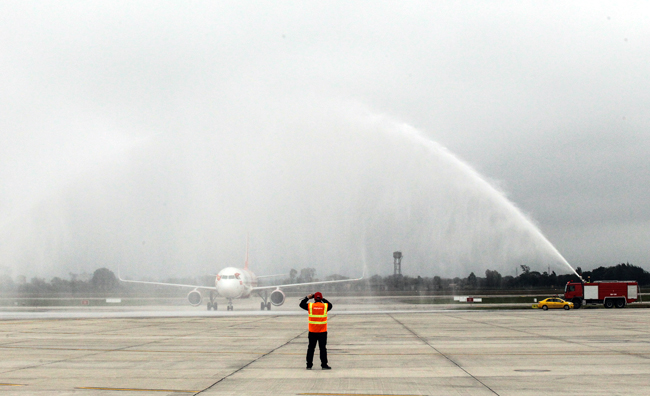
[[321, 338]]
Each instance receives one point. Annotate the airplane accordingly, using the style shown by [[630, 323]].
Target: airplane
[[234, 283]]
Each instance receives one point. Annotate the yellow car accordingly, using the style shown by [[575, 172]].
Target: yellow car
[[553, 302]]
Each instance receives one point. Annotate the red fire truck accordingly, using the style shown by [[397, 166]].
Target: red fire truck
[[609, 293]]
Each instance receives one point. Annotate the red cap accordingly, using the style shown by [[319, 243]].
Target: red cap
[[318, 295]]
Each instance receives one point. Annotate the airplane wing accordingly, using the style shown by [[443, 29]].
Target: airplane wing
[[165, 284], [309, 283], [270, 276]]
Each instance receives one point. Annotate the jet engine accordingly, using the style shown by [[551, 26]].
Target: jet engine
[[195, 298], [277, 297]]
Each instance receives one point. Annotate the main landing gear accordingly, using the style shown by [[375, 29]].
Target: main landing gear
[[266, 303], [212, 304]]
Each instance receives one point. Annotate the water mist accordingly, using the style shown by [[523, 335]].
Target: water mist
[[329, 186]]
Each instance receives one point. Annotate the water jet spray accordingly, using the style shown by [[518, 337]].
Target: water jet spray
[[490, 192]]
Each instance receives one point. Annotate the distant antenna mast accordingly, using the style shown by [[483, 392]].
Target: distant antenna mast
[[397, 263]]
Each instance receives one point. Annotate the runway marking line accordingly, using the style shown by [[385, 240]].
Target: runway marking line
[[352, 394], [13, 385], [123, 350], [136, 389]]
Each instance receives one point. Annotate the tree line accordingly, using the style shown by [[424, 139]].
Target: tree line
[[104, 280], [493, 280]]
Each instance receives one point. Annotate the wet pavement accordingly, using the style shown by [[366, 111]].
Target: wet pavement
[[387, 352]]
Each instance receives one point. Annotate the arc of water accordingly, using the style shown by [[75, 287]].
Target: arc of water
[[419, 138]]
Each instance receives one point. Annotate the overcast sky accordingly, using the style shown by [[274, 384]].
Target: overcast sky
[[156, 135]]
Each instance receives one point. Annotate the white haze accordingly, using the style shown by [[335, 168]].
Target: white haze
[[157, 135], [332, 186]]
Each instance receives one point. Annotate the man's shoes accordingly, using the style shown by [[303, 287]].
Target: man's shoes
[[309, 367], [326, 367]]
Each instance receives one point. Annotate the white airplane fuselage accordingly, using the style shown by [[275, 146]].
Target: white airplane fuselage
[[234, 283]]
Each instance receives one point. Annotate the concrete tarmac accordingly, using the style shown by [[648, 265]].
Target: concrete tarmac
[[400, 352]]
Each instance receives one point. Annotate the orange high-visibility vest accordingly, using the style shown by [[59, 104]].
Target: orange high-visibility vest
[[317, 317]]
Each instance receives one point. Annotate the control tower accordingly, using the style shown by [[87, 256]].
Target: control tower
[[397, 263]]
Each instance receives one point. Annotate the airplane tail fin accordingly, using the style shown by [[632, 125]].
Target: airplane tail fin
[[246, 263]]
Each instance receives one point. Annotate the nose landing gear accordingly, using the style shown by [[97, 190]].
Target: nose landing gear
[[230, 307]]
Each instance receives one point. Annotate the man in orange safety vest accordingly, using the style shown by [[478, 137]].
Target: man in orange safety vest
[[317, 327]]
